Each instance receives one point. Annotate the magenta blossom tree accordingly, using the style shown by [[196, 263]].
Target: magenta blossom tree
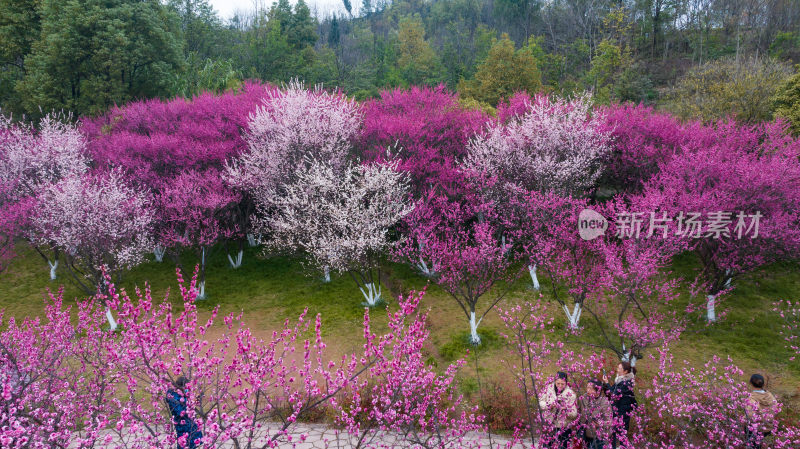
[[194, 212], [100, 224], [428, 131], [637, 288], [464, 241], [556, 146], [155, 142], [31, 160], [338, 219], [735, 202]]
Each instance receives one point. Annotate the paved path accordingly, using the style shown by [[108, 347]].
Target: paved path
[[319, 436]]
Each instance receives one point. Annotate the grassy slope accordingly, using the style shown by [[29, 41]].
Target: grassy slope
[[270, 291]]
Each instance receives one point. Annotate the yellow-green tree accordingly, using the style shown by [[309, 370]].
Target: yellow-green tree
[[504, 71], [744, 89], [418, 62], [787, 102], [607, 63]]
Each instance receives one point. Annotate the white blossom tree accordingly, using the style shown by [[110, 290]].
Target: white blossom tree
[[101, 225], [555, 146], [31, 160], [290, 125], [339, 220]]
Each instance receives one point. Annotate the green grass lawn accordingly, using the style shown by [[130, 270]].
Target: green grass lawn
[[269, 291]]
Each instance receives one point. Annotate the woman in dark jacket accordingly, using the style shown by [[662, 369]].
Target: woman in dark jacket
[[623, 400], [176, 401]]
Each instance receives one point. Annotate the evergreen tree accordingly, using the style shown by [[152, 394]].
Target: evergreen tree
[[95, 53]]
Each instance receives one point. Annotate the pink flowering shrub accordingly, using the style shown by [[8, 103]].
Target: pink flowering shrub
[[69, 382], [698, 407], [406, 396]]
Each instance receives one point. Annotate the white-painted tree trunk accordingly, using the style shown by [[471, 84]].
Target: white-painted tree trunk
[[159, 251], [534, 278], [53, 265], [626, 356], [251, 240], [711, 312], [423, 267], [372, 293], [237, 262], [201, 290], [474, 338], [112, 323], [574, 317], [326, 275]]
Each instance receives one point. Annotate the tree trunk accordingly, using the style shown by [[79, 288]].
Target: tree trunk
[[251, 240], [573, 317], [159, 251], [112, 323], [53, 265], [236, 262], [474, 338], [201, 284], [534, 278], [326, 275], [711, 312], [372, 293]]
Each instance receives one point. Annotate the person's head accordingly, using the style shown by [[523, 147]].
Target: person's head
[[757, 381], [561, 381], [181, 382], [594, 388], [625, 368]]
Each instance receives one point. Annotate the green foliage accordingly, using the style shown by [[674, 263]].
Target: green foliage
[[720, 89], [503, 72], [205, 75], [787, 102], [418, 63], [92, 54]]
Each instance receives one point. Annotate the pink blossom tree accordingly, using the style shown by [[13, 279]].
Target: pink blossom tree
[[464, 241], [30, 161], [637, 288], [57, 385], [548, 235], [338, 219], [402, 395], [99, 222], [735, 201], [194, 212], [535, 349], [69, 381]]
